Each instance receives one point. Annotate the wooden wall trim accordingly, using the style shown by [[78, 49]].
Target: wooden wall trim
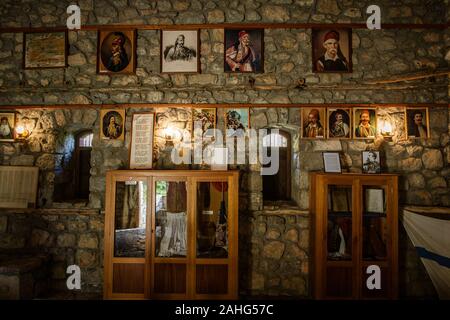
[[53, 211], [408, 26], [222, 105]]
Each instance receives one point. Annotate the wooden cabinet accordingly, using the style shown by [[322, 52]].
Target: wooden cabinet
[[171, 234], [355, 225]]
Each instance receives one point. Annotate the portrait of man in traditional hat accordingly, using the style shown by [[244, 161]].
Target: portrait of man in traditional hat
[[312, 125], [116, 52], [244, 48], [328, 51]]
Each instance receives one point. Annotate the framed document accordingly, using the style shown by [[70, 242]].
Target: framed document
[[375, 201], [44, 50], [331, 162], [141, 149]]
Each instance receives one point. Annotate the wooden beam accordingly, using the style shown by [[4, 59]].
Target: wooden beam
[[410, 77], [220, 105], [373, 85], [408, 26]]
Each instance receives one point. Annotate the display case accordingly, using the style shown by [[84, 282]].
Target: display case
[[355, 225], [171, 234]]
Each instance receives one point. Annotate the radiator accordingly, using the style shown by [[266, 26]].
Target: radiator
[[18, 186]]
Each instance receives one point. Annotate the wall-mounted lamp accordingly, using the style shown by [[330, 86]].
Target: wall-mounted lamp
[[23, 129], [386, 131]]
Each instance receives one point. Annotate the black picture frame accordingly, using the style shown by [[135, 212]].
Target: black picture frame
[[371, 166]]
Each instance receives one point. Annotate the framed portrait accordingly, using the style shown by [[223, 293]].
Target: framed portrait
[[237, 119], [116, 52], [112, 124], [331, 162], [206, 117], [180, 51], [339, 123], [7, 126], [244, 50], [313, 123], [417, 123], [365, 123], [141, 146], [371, 161], [332, 50], [44, 50]]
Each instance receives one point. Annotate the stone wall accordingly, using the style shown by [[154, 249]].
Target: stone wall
[[67, 239], [423, 164], [274, 252]]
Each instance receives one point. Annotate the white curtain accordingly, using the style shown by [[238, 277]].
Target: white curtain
[[429, 230]]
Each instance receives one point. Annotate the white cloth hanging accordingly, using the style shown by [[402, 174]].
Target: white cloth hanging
[[174, 239], [429, 230]]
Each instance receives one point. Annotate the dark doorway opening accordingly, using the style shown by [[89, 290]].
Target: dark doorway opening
[[278, 186], [82, 172]]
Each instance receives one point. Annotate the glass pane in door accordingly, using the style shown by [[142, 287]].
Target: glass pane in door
[[339, 223], [375, 233], [212, 215], [130, 219], [171, 219]]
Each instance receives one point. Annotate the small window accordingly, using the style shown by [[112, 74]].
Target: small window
[[275, 140], [85, 140]]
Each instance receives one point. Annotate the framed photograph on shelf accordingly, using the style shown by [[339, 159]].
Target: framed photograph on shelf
[[141, 145], [7, 126], [365, 123], [237, 121], [116, 52], [339, 123], [44, 50], [371, 161], [313, 123], [180, 51], [417, 123], [332, 50], [204, 117], [112, 124], [331, 162], [244, 50]]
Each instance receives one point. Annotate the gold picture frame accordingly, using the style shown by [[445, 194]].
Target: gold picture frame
[[112, 124]]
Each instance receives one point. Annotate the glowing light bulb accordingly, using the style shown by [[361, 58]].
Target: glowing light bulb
[[20, 130], [387, 128]]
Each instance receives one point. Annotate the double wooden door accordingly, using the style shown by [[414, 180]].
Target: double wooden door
[[171, 234], [355, 235]]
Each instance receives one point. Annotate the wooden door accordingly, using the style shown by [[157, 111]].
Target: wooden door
[[170, 232], [126, 237], [214, 224]]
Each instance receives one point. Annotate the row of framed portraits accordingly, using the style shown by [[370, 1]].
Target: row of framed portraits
[[180, 50], [340, 123], [358, 123]]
